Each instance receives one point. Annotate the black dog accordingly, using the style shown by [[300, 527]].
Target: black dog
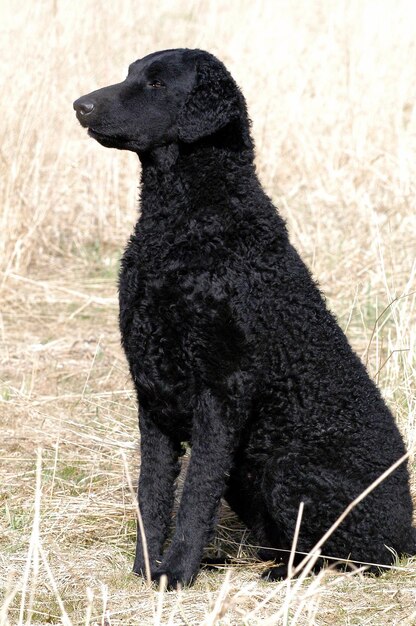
[[229, 342]]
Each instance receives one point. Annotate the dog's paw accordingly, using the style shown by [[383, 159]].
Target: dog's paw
[[178, 573], [174, 580], [177, 577], [279, 572], [140, 569]]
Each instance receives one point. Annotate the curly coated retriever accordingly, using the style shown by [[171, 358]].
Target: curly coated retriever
[[230, 345]]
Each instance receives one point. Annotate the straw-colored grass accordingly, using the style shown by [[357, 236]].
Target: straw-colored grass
[[331, 91]]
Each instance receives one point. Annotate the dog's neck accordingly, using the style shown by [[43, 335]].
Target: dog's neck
[[194, 177], [160, 159], [207, 193]]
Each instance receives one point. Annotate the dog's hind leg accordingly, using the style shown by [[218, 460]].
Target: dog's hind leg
[[325, 493]]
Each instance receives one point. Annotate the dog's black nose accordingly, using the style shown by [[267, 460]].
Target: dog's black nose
[[83, 107]]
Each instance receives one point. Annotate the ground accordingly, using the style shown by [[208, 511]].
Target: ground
[[66, 391], [331, 92]]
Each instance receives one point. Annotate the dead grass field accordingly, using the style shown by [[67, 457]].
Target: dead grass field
[[331, 90]]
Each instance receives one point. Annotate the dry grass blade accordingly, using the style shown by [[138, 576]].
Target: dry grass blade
[[161, 595], [88, 610], [139, 519], [290, 572], [220, 605], [64, 615], [32, 561]]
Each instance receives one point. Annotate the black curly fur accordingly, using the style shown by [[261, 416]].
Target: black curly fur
[[230, 345]]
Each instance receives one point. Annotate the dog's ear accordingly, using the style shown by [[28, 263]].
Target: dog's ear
[[215, 101]]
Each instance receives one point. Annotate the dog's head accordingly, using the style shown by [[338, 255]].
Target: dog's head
[[167, 97]]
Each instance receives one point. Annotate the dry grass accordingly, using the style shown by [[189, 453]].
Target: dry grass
[[331, 90]]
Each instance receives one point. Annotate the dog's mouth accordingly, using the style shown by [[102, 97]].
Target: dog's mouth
[[108, 140], [97, 134]]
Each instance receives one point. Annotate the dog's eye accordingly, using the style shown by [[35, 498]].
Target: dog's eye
[[156, 83]]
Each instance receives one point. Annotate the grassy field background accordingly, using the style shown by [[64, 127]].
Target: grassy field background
[[331, 90]]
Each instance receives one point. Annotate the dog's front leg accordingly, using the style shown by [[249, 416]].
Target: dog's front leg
[[158, 471], [211, 459]]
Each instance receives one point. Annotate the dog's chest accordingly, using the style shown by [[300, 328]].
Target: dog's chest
[[158, 323]]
